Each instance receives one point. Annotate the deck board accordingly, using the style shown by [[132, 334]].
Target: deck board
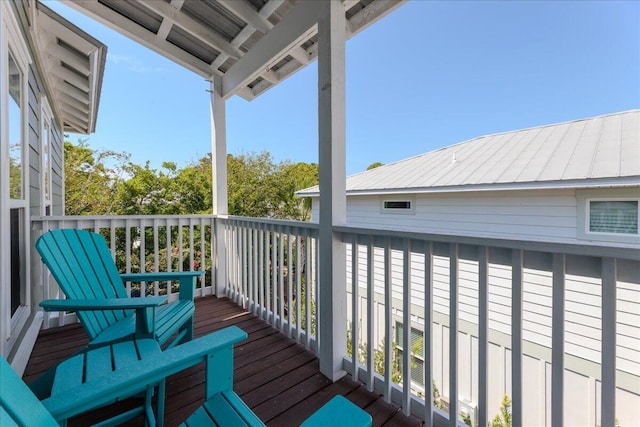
[[278, 378]]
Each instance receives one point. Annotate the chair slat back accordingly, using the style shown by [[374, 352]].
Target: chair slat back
[[18, 405], [81, 263]]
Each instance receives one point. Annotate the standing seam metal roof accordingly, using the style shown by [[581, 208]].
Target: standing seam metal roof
[[605, 146]]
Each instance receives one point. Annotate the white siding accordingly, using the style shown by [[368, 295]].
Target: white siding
[[538, 215]]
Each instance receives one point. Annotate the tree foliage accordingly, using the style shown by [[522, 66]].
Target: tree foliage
[[92, 179], [102, 182]]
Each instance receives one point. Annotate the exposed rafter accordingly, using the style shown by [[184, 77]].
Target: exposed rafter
[[238, 42], [193, 27]]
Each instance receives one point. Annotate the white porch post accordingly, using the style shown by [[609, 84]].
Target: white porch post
[[331, 132], [219, 171]]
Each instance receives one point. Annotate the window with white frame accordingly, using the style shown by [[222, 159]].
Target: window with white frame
[[14, 273], [610, 215], [45, 156]]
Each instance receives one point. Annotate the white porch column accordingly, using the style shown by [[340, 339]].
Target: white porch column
[[333, 202], [219, 171]]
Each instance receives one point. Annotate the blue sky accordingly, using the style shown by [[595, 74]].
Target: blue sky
[[428, 75]]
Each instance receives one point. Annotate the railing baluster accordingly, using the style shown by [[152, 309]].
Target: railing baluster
[[355, 300], [453, 334], [267, 278], [243, 266], [143, 257], [370, 315], [169, 255], [427, 342], [406, 320], [388, 339], [156, 256], [307, 289], [261, 303], [281, 277], [289, 283], [254, 265], [557, 344], [483, 334], [516, 336], [274, 277], [609, 296], [180, 246], [298, 288], [127, 252]]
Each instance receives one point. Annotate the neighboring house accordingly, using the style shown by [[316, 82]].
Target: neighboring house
[[51, 76], [575, 183]]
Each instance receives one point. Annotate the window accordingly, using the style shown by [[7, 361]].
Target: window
[[16, 147], [45, 156], [613, 216], [417, 364], [402, 206], [609, 215]]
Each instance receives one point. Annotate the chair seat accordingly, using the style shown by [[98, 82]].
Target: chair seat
[[339, 411], [167, 316], [223, 409]]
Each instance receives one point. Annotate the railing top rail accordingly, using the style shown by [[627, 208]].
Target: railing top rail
[[278, 222], [528, 245], [37, 218]]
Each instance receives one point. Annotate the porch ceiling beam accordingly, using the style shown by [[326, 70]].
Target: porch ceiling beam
[[166, 25], [371, 13], [147, 38], [193, 27], [286, 34], [245, 12]]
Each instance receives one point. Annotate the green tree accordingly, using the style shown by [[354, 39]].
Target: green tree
[[375, 165], [289, 178], [503, 419], [92, 177]]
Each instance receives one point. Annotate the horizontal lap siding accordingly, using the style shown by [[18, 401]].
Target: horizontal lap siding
[[583, 300], [34, 142]]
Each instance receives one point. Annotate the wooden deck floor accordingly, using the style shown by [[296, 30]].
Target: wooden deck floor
[[276, 377]]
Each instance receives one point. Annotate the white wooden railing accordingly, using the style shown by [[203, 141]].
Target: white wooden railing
[[417, 279], [463, 286], [139, 244], [272, 271]]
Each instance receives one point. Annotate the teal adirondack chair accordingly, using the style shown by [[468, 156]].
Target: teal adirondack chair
[[81, 263], [20, 407], [222, 407]]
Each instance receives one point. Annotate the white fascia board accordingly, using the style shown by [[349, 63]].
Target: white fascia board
[[291, 30], [631, 181]]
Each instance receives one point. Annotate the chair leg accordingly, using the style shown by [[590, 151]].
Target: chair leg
[[160, 403], [188, 328]]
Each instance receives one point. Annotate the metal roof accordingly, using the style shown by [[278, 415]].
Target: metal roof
[[75, 66], [256, 43], [598, 151]]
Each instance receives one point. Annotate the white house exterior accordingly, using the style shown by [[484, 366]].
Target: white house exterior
[[51, 75], [571, 183]]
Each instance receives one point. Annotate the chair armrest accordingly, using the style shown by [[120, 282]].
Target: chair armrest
[[186, 279], [145, 309], [149, 371], [102, 304]]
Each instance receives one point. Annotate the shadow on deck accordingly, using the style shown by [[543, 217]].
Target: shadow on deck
[[276, 377]]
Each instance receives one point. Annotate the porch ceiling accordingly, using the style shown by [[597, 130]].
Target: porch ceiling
[[210, 37], [75, 63]]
